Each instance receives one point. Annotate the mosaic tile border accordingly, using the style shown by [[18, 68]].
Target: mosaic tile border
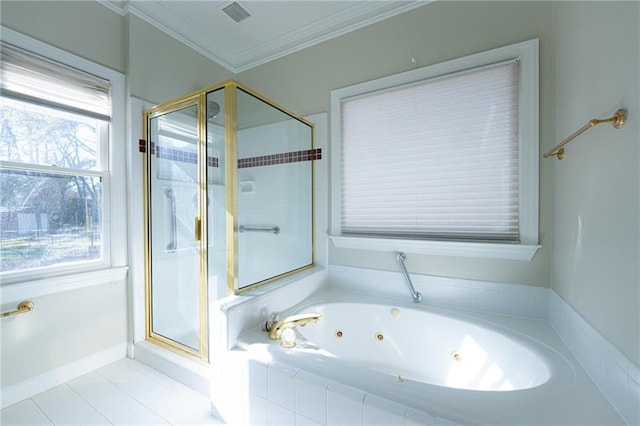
[[243, 163], [175, 154], [283, 158]]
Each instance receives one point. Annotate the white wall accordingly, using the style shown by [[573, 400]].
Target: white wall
[[160, 68], [434, 33], [74, 331], [589, 55], [596, 234], [588, 68], [85, 28], [79, 322], [63, 329]]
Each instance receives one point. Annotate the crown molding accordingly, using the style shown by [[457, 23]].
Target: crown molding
[[121, 7], [337, 24], [184, 34], [359, 15]]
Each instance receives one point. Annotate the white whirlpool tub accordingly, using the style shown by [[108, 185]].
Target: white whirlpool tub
[[423, 346], [459, 366]]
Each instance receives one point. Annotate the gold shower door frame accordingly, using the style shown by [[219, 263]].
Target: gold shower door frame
[[199, 99]]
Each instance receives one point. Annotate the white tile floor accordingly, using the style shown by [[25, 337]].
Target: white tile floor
[[126, 392]]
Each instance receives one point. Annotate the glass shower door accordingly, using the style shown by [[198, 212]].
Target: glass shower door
[[175, 289], [228, 206]]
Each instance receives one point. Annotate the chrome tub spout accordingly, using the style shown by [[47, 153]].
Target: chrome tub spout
[[416, 295], [275, 329]]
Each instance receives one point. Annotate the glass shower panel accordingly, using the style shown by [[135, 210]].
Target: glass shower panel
[[216, 196], [228, 203], [274, 217], [173, 205]]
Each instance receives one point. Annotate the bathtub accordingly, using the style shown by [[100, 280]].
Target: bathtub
[[458, 366]]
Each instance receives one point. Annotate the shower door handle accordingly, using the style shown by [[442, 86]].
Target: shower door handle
[[198, 228]]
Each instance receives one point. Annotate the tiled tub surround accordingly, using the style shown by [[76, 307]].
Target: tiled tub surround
[[569, 396], [267, 385], [484, 296], [615, 375]]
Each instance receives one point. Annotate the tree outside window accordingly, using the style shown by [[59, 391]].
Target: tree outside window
[[50, 187]]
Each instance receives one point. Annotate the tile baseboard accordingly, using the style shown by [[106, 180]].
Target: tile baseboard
[[52, 378]]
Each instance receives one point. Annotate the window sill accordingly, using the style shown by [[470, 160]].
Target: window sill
[[521, 252], [11, 293]]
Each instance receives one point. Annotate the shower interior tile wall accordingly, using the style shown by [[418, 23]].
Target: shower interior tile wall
[[270, 196], [269, 254]]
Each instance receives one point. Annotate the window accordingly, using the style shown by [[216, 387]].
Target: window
[[440, 158], [56, 175]]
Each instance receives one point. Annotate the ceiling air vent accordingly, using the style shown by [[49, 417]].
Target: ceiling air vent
[[236, 12]]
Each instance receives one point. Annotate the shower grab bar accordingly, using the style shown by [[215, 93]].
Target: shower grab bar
[[173, 231], [274, 229], [23, 308], [416, 295]]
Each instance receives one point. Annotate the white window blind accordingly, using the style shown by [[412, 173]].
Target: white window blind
[[32, 78], [437, 159]]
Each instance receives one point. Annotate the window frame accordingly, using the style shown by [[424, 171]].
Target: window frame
[[112, 267], [528, 136]]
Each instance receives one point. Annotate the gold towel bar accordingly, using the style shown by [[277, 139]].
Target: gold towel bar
[[23, 307], [617, 120]]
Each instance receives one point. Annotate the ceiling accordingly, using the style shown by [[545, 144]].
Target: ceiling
[[273, 29]]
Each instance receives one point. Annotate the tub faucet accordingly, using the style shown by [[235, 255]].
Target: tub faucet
[[416, 295], [275, 329]]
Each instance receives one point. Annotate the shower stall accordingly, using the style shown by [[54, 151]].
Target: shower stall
[[228, 179]]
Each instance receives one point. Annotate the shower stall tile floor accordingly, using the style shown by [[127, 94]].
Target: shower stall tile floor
[[126, 392]]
